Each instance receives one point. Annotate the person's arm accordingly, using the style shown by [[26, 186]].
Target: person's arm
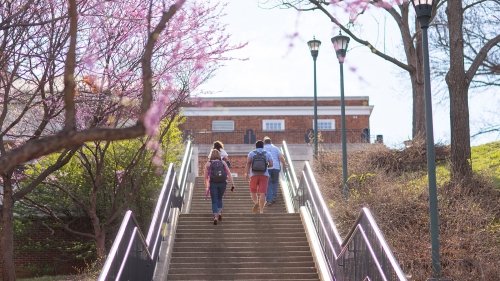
[[282, 160], [228, 173], [247, 167], [206, 175], [224, 155], [269, 159]]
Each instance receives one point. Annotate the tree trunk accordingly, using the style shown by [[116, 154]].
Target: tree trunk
[[7, 239], [418, 129], [100, 242], [99, 233], [461, 169], [417, 83], [458, 87]]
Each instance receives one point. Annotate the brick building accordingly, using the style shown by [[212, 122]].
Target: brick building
[[239, 121]]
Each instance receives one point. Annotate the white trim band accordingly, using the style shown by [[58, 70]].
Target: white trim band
[[274, 111]]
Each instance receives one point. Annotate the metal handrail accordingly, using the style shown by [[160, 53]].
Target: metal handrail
[[186, 160], [133, 257], [364, 254], [290, 177]]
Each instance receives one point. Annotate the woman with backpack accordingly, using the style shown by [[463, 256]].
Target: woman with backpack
[[216, 174]]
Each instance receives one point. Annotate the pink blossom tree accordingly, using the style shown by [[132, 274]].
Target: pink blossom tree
[[73, 72]]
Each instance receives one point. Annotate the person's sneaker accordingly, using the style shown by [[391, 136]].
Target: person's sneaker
[[215, 221], [255, 208], [220, 217], [269, 203]]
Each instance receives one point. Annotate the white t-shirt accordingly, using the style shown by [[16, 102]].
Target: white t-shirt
[[223, 154]]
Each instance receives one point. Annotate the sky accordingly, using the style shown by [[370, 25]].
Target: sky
[[277, 62]]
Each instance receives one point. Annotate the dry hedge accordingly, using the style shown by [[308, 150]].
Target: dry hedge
[[412, 158], [393, 185]]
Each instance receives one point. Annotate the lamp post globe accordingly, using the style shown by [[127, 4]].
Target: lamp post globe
[[423, 9], [314, 47], [340, 43]]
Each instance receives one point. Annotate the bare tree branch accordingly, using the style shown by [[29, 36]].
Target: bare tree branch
[[62, 160], [481, 56], [69, 71], [39, 147]]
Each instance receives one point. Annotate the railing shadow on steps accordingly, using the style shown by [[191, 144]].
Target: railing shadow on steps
[[363, 255], [133, 256]]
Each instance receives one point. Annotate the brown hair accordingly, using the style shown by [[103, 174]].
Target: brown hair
[[214, 154], [218, 145]]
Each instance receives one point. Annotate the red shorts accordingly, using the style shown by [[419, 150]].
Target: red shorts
[[258, 184]]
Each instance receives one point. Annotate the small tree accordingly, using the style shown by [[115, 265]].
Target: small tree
[[102, 181]]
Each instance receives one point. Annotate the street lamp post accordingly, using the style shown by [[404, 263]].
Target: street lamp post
[[423, 9], [314, 47], [340, 43]]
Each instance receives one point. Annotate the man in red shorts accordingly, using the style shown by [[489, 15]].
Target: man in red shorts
[[256, 171]]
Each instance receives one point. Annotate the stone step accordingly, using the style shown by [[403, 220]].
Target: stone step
[[246, 265], [212, 269], [246, 255], [244, 276]]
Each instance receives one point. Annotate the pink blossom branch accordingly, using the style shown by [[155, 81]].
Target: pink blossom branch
[[147, 73]]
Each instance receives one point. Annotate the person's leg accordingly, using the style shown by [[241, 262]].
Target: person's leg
[[221, 189], [276, 184], [214, 195], [253, 193], [261, 191], [272, 185], [262, 202], [269, 194]]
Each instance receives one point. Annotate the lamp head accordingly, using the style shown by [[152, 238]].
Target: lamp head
[[314, 47], [423, 9], [340, 43]]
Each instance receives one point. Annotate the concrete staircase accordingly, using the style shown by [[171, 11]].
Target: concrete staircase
[[244, 245]]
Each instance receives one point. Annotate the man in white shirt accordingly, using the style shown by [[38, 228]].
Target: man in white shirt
[[274, 170]]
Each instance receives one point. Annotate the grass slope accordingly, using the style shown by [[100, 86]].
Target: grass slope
[[393, 185]]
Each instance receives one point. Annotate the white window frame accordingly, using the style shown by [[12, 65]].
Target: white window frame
[[223, 125], [331, 121], [278, 122]]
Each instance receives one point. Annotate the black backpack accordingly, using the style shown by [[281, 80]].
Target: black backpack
[[259, 161], [217, 171]]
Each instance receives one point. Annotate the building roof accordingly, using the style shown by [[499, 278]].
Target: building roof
[[274, 106]]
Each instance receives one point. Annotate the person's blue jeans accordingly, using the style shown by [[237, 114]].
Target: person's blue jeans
[[216, 193], [273, 184]]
